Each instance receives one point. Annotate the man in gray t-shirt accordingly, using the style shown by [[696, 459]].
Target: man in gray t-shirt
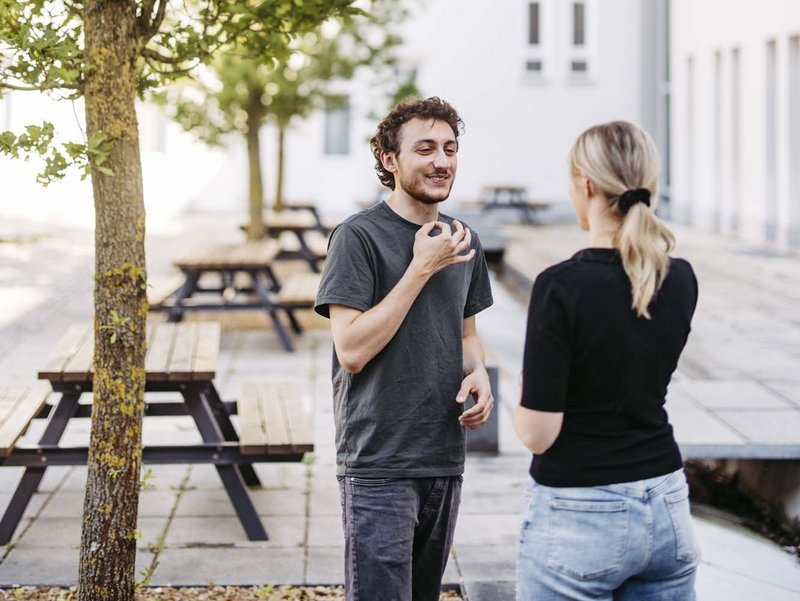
[[401, 285]]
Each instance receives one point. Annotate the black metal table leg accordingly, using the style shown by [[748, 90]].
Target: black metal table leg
[[186, 291], [272, 311], [223, 420], [230, 475], [29, 483]]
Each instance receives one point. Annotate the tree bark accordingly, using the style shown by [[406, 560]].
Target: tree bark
[[108, 538], [279, 182], [255, 228]]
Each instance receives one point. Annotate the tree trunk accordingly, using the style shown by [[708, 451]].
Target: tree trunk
[[255, 229], [279, 182], [108, 538]]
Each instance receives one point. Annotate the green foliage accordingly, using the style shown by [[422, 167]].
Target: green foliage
[[242, 87], [117, 326], [39, 140], [42, 49]]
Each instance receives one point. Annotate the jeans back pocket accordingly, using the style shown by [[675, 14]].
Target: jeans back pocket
[[587, 539], [678, 507]]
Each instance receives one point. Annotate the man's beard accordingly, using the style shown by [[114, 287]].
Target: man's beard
[[415, 190]]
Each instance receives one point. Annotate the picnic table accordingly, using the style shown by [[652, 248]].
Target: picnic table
[[243, 279], [505, 196], [181, 358], [312, 245], [307, 206]]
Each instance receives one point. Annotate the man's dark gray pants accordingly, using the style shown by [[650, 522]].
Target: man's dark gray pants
[[398, 533]]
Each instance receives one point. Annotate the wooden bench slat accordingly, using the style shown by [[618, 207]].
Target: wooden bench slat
[[159, 352], [272, 419], [183, 352], [207, 351], [79, 367], [271, 400], [161, 288], [252, 435], [299, 290], [15, 420], [247, 255], [53, 369]]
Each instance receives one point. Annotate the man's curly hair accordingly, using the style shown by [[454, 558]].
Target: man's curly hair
[[387, 136]]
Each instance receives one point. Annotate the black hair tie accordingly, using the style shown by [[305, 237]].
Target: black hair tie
[[630, 197]]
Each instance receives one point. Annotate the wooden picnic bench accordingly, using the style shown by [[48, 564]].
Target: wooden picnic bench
[[303, 226], [505, 196], [243, 280], [181, 358], [18, 406], [309, 206]]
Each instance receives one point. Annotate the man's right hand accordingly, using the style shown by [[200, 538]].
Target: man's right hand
[[434, 253]]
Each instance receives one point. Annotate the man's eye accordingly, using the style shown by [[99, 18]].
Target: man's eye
[[450, 151], [424, 150]]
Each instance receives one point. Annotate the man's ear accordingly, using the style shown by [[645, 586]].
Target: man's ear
[[389, 161]]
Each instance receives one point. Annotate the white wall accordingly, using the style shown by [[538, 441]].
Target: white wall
[[518, 129], [470, 52], [746, 187]]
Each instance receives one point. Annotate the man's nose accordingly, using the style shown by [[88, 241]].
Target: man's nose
[[441, 160]]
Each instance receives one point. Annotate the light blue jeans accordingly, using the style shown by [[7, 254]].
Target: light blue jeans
[[621, 542]]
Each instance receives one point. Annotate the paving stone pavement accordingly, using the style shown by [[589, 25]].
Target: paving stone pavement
[[190, 534]]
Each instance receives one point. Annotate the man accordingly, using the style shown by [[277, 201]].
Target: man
[[401, 285]]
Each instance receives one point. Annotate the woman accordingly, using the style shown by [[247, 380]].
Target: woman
[[608, 516]]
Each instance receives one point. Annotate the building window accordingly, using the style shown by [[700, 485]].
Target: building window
[[533, 23], [579, 49], [337, 126], [534, 63], [578, 24], [534, 66]]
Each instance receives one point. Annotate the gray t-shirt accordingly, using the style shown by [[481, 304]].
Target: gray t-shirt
[[398, 417]]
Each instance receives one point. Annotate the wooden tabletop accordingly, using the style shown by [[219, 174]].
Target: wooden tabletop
[[175, 352], [290, 220], [245, 255]]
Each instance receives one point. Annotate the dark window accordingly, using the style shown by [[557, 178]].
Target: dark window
[[579, 67], [534, 66], [337, 126], [533, 23], [578, 23]]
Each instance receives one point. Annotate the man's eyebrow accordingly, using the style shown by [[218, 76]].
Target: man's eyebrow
[[432, 141]]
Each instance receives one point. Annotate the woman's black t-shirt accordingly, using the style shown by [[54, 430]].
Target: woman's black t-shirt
[[588, 355]]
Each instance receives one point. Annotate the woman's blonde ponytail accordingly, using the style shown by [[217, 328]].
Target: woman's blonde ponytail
[[622, 162]]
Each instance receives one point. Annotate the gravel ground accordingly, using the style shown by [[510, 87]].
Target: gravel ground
[[216, 593]]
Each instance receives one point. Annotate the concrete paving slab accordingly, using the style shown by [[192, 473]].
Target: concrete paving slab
[[490, 562], [45, 534], [325, 531], [218, 565], [733, 394], [776, 426], [736, 564], [284, 531], [487, 529], [490, 591], [325, 565], [25, 567], [695, 426]]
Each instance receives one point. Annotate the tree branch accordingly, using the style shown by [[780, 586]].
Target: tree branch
[[40, 88], [144, 16], [161, 58], [158, 18]]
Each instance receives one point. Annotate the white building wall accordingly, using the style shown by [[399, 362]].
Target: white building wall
[[758, 200], [518, 128], [473, 53]]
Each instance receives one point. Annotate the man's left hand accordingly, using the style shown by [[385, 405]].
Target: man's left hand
[[477, 384]]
